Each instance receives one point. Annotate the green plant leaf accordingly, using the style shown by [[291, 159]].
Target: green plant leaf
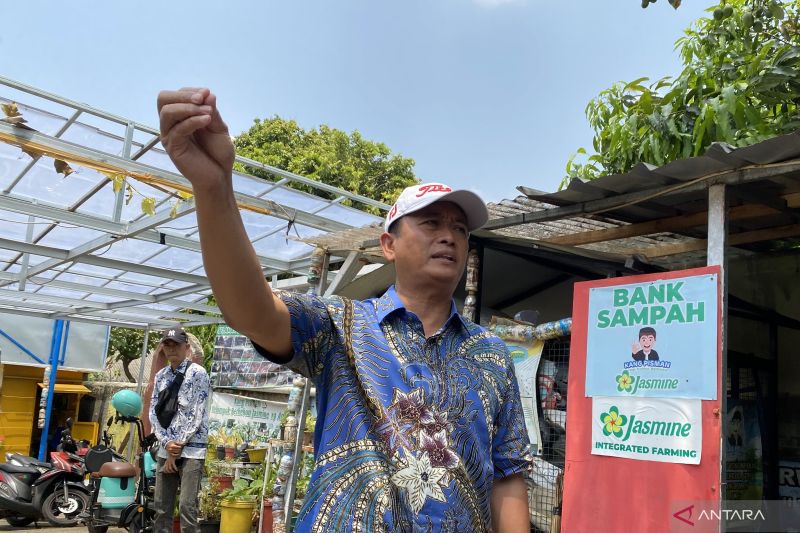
[[149, 206]]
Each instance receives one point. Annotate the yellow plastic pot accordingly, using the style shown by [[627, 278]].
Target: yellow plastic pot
[[237, 516], [257, 455]]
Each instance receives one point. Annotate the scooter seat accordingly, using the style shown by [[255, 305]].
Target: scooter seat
[[14, 469], [117, 469]]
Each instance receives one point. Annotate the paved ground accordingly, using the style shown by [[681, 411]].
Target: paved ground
[[44, 527]]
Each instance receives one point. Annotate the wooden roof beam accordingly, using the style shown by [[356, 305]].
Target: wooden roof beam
[[671, 224], [736, 239]]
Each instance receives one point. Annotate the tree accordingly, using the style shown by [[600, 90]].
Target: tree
[[739, 85], [125, 345], [334, 157]]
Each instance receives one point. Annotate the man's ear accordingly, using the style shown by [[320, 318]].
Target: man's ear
[[387, 245]]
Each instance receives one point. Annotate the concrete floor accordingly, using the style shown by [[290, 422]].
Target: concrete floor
[[45, 527]]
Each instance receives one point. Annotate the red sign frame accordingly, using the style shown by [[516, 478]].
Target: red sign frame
[[612, 494]]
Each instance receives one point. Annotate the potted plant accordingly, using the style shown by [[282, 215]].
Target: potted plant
[[208, 504], [308, 434], [282, 423], [176, 517], [239, 504], [219, 472]]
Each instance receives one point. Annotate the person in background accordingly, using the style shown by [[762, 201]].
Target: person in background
[[184, 438]]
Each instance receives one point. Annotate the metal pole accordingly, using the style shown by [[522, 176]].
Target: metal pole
[[267, 472], [63, 353], [139, 389], [298, 450], [55, 345], [717, 241]]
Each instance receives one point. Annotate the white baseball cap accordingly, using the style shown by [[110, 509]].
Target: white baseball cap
[[416, 197]]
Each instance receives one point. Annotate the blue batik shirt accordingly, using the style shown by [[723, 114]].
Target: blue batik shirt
[[190, 424], [411, 432]]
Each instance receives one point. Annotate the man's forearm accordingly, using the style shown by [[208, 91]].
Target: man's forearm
[[233, 269], [509, 503]]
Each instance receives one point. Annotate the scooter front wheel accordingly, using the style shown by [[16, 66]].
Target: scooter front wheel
[[61, 511]]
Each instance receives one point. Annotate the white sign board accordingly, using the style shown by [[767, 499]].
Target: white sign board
[[257, 420], [666, 430]]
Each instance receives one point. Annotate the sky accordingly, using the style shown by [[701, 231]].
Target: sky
[[482, 94]]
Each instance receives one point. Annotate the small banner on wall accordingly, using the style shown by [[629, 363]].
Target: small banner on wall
[[254, 420], [526, 358], [665, 430], [654, 339]]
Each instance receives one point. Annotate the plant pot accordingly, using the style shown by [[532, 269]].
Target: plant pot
[[237, 516], [257, 455], [266, 516], [176, 524], [229, 452], [223, 482], [220, 452], [209, 526]]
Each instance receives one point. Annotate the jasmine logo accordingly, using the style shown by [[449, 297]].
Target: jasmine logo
[[633, 384], [613, 422], [621, 426]]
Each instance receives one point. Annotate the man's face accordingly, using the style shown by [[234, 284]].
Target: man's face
[[431, 243], [647, 341], [175, 352]]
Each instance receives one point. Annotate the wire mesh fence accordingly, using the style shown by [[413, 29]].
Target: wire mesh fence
[[544, 494]]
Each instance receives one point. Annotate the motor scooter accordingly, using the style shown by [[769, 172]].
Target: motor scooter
[[56, 493], [118, 498]]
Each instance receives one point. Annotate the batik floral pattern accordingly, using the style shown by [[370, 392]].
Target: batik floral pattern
[[416, 437]]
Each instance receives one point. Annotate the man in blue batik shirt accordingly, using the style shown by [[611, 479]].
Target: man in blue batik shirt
[[183, 442], [419, 420]]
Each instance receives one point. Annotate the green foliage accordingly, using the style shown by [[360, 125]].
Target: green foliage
[[208, 502], [328, 155], [248, 489], [125, 345], [739, 85]]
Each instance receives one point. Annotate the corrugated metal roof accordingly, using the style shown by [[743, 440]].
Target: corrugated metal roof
[[765, 175]]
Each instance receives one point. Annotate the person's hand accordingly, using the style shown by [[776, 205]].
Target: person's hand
[[635, 347], [174, 448], [169, 466], [195, 136]]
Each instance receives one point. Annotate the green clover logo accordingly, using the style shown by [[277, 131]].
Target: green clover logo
[[613, 422], [625, 382]]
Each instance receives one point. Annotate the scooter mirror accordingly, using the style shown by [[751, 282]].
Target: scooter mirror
[[69, 423]]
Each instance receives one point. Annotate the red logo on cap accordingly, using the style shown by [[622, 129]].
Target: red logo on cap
[[393, 211], [425, 189]]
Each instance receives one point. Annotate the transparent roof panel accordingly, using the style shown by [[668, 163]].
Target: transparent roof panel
[[46, 213], [351, 216], [297, 199], [12, 162], [43, 184], [177, 259], [55, 291], [13, 225], [131, 250], [38, 119], [66, 236], [90, 137]]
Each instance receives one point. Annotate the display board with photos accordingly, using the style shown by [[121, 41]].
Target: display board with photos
[[237, 365]]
